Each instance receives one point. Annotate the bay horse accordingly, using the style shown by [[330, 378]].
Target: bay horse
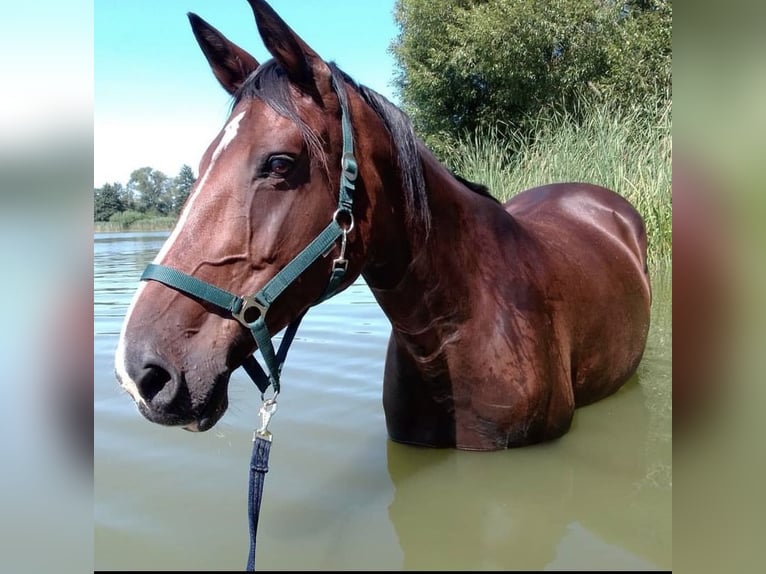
[[504, 318]]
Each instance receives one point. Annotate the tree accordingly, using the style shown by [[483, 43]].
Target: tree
[[181, 188], [466, 63], [128, 197], [107, 201], [640, 54], [152, 188]]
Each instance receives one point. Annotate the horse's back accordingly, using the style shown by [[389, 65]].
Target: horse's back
[[588, 245], [583, 209]]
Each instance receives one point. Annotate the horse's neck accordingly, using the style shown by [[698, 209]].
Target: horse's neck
[[436, 278]]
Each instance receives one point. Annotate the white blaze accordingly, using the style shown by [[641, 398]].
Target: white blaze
[[229, 133]]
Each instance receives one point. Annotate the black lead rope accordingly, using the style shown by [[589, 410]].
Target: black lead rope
[[259, 466]]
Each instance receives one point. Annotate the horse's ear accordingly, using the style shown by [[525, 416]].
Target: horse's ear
[[303, 65], [230, 63]]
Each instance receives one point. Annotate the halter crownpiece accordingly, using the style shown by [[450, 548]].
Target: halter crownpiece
[[251, 310]]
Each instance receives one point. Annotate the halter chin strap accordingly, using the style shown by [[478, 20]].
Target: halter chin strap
[[251, 310]]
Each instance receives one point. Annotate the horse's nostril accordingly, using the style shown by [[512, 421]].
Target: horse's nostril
[[153, 379]]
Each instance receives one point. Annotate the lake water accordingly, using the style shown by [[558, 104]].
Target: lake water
[[339, 495]]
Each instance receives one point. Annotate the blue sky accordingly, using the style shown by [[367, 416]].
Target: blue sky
[[156, 101]]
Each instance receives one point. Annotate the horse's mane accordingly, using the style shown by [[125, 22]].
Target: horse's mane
[[479, 188], [400, 127], [403, 136], [270, 84]]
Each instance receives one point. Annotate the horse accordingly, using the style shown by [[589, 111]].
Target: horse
[[504, 317]]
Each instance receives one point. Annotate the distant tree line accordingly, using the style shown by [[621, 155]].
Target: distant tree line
[[148, 193]]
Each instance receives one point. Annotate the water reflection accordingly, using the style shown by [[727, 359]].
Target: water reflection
[[582, 501]]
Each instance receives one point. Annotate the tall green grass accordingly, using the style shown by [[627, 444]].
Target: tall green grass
[[147, 224], [623, 150]]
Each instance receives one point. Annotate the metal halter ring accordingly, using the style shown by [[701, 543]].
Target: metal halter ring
[[350, 217], [249, 303]]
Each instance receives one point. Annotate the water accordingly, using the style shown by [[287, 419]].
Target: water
[[339, 495]]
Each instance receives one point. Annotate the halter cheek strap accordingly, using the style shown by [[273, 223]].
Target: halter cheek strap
[[251, 310]]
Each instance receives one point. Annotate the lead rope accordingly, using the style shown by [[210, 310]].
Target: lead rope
[[259, 466]]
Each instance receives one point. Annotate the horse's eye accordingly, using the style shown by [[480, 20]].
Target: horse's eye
[[280, 165]]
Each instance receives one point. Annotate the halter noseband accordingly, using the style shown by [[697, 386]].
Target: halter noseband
[[251, 310]]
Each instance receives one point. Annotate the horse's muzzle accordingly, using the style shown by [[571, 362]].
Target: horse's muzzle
[[165, 395]]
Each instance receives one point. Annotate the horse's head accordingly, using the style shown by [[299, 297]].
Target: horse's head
[[268, 186]]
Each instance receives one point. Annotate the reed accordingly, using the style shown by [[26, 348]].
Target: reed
[[144, 224], [629, 151]]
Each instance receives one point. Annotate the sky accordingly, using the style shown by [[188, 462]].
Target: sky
[[156, 101]]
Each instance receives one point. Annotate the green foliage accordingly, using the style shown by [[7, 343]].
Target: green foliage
[[134, 221], [463, 64], [181, 188], [128, 197], [152, 188], [153, 224], [107, 201], [640, 54], [126, 218], [601, 143], [150, 196]]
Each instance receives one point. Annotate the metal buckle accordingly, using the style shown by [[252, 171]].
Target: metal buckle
[[341, 262], [267, 410], [249, 303], [349, 165]]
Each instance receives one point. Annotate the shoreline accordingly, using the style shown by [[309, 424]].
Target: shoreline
[[109, 227]]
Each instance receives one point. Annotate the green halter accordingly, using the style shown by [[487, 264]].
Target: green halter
[[251, 310]]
